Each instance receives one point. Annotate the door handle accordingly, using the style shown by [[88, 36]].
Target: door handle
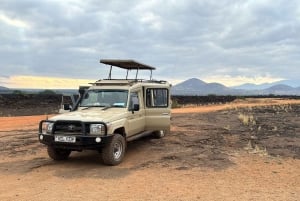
[[165, 113]]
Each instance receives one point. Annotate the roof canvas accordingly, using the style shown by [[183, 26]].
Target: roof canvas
[[127, 64]]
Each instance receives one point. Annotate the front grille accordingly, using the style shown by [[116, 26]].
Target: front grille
[[73, 127], [69, 127]]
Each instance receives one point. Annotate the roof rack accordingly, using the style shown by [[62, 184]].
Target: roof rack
[[125, 82], [128, 65]]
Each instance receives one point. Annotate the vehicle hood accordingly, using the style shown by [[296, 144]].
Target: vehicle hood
[[92, 115]]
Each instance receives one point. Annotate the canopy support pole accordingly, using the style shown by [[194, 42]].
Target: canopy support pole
[[109, 75], [127, 74], [137, 71]]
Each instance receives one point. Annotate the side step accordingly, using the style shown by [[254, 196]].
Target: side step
[[139, 135]]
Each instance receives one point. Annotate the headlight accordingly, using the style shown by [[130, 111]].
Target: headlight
[[97, 129], [47, 127]]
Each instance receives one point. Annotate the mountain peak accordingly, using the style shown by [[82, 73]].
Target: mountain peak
[[193, 82]]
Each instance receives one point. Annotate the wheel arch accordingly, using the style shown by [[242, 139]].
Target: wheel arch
[[121, 131]]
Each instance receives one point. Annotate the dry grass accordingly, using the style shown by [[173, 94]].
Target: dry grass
[[247, 119], [255, 149]]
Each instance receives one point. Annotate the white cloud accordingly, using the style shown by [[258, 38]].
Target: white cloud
[[84, 49], [244, 40], [151, 19], [14, 22]]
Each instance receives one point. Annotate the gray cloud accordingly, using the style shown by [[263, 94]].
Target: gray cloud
[[182, 38]]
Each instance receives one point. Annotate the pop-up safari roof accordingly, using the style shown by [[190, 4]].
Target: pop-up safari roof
[[128, 65]]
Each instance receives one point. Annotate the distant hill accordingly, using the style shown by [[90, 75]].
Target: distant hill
[[195, 86], [4, 88], [291, 83], [190, 84], [248, 86], [282, 89]]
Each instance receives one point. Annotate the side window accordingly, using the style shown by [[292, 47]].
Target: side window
[[157, 97], [134, 99]]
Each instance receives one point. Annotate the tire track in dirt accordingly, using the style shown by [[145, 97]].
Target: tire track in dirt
[[16, 143]]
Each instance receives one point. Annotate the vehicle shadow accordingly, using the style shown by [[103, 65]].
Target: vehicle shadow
[[79, 165]]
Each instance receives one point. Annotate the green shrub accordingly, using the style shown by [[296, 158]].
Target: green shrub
[[19, 92]]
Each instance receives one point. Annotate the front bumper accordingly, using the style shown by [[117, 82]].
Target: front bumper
[[82, 142], [78, 129]]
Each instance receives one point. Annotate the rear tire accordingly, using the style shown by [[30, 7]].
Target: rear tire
[[58, 154], [113, 153]]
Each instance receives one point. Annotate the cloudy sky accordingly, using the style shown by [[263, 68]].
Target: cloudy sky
[[58, 44]]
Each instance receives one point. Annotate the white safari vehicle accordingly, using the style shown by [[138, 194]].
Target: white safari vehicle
[[108, 114]]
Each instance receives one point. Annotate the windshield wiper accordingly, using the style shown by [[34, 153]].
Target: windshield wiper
[[113, 105], [86, 107], [91, 106], [107, 107]]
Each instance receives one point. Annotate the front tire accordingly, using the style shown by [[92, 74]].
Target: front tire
[[113, 153], [58, 154]]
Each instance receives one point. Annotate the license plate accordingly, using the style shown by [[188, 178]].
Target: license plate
[[69, 139]]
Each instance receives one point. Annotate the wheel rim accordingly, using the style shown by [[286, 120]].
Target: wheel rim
[[118, 149], [161, 133]]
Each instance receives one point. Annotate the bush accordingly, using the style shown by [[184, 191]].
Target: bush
[[19, 92], [175, 104]]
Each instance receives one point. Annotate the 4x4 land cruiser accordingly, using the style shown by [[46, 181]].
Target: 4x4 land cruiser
[[108, 114]]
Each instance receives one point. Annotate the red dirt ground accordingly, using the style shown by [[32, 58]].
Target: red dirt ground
[[205, 157]]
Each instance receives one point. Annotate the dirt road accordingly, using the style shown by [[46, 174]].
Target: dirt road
[[240, 153]]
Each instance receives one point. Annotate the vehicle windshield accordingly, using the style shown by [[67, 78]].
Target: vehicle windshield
[[105, 98]]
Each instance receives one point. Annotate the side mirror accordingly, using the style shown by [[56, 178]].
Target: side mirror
[[136, 107], [67, 107]]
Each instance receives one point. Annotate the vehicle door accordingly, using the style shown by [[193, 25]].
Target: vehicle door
[[136, 116], [157, 109]]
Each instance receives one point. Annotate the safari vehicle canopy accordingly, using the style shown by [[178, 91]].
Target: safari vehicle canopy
[[127, 64]]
